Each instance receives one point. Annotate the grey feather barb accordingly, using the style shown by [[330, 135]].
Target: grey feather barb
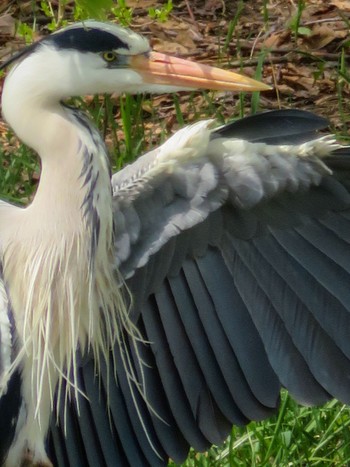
[[145, 314]]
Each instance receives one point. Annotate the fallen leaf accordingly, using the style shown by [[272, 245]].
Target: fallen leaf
[[7, 25], [276, 39], [343, 5], [172, 48], [321, 35]]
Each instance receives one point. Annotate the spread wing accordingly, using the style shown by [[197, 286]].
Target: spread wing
[[237, 256]]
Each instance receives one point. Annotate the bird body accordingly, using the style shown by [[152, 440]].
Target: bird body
[[179, 281], [63, 242]]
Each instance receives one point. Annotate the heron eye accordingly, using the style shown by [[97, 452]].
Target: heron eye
[[109, 56]]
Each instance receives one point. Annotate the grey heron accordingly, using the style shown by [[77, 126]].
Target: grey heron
[[196, 283]]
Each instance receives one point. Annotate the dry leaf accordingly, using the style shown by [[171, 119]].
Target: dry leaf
[[144, 4], [172, 48], [185, 39], [343, 5], [7, 25], [276, 39], [321, 35]]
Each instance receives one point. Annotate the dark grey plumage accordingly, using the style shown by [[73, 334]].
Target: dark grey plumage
[[235, 307]]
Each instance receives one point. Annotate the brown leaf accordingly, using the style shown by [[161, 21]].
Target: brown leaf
[[185, 39], [173, 25], [169, 47], [7, 25], [321, 35], [144, 4], [343, 5], [276, 39], [302, 82]]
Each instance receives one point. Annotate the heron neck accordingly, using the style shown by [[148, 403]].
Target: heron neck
[[57, 141], [74, 189], [39, 119], [75, 176], [28, 109]]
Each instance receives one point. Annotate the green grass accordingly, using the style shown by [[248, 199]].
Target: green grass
[[296, 436], [17, 173]]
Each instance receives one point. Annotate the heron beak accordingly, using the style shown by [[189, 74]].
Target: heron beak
[[157, 68]]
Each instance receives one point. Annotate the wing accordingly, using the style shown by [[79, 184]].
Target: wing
[[10, 398], [237, 256], [193, 174]]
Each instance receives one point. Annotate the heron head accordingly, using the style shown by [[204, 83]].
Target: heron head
[[95, 57]]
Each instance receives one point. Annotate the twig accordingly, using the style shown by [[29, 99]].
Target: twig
[[190, 12]]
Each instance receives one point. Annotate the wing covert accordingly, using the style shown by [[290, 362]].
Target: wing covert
[[176, 187]]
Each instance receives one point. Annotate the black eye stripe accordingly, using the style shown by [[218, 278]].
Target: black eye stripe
[[87, 40]]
